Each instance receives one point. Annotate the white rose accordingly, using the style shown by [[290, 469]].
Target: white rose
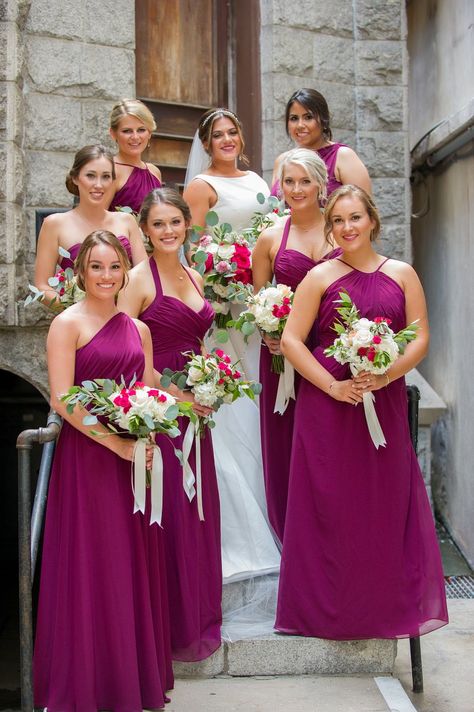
[[225, 252], [362, 337], [194, 375], [221, 291]]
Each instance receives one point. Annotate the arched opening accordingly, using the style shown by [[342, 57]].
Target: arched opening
[[21, 407]]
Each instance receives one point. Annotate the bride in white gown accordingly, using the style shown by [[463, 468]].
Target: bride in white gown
[[214, 182]]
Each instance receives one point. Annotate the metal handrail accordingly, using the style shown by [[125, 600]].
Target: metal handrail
[[29, 531]]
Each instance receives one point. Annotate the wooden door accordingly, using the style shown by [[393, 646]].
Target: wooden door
[[181, 70]]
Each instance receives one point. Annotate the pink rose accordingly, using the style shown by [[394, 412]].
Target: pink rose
[[376, 339], [222, 267]]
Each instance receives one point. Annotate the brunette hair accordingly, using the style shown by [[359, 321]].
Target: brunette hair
[[84, 156], [311, 162], [99, 237], [316, 104], [164, 196], [206, 123], [132, 107], [364, 197]]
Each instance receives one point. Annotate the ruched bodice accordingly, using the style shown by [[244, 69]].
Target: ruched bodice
[[66, 262], [137, 186]]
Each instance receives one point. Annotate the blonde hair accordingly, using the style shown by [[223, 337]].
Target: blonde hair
[[84, 156], [311, 162], [132, 107], [206, 124], [366, 200], [99, 237]]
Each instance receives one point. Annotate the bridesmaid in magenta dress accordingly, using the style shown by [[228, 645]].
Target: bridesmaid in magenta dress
[[303, 177], [360, 557], [168, 297], [91, 179], [102, 638], [308, 125], [131, 127]]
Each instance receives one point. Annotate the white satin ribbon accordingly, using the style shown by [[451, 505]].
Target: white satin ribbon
[[189, 480], [139, 480], [286, 388], [373, 424]]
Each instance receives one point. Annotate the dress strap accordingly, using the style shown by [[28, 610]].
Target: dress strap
[[382, 263], [193, 282], [156, 277], [284, 238]]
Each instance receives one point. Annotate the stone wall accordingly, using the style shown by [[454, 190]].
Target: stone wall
[[354, 53], [62, 67]]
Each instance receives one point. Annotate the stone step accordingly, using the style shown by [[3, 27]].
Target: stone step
[[277, 654]]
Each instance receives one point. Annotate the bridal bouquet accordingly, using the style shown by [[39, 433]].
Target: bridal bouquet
[[213, 380], [367, 345], [260, 221], [64, 284], [224, 259], [141, 411]]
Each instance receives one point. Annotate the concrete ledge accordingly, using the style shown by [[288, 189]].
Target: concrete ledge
[[431, 404], [294, 655]]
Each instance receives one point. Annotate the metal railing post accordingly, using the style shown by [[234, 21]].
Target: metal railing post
[[24, 445]]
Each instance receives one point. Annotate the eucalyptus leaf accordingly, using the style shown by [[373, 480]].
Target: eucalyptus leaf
[[199, 257], [212, 219], [172, 412], [248, 328], [53, 281], [181, 382], [165, 381], [221, 336], [63, 252], [89, 385], [149, 421], [261, 198], [90, 420]]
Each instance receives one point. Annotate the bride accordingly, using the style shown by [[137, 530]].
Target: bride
[[214, 182]]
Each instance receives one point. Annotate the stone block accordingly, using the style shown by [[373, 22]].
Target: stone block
[[14, 11], [53, 122], [333, 58], [384, 153], [210, 667], [11, 52], [11, 112], [11, 172], [7, 299], [392, 196], [232, 596], [345, 136], [56, 18], [333, 18], [3, 109], [395, 242], [45, 175], [380, 108], [292, 51], [95, 122], [378, 20], [378, 62], [12, 233], [58, 66], [20, 349], [266, 50], [295, 655]]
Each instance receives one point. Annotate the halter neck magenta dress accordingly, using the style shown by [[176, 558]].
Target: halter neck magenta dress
[[360, 557], [329, 156], [102, 637], [137, 186], [193, 547], [66, 262], [290, 267]]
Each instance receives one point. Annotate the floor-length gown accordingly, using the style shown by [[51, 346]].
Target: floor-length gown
[[248, 546], [329, 156], [290, 267], [135, 189], [360, 557], [102, 639], [193, 554], [66, 262]]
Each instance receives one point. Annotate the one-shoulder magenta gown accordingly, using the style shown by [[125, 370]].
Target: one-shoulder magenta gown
[[360, 557], [290, 267], [193, 547], [102, 639]]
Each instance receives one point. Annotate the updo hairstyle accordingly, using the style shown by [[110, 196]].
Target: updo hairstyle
[[364, 197], [84, 156], [311, 162], [206, 124], [316, 104], [99, 237], [132, 107]]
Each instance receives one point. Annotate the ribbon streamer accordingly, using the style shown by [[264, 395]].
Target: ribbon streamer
[[373, 423], [139, 480], [286, 388], [189, 479]]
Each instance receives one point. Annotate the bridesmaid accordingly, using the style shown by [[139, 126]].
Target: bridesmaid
[[286, 252], [91, 179], [102, 638], [167, 296], [308, 125], [131, 126], [360, 557], [248, 546]]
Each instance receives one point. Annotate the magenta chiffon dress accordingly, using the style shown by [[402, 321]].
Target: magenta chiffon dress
[[102, 637], [66, 262], [137, 186], [360, 557], [276, 431], [193, 547], [329, 156]]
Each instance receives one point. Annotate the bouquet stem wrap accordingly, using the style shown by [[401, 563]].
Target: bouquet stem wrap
[[286, 388], [373, 424], [189, 480], [139, 480]]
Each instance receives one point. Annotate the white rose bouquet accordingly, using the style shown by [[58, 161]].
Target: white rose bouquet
[[278, 210], [367, 345], [138, 410]]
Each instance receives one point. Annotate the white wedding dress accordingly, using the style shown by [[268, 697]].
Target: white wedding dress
[[248, 545]]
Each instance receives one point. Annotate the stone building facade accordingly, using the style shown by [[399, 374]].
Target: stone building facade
[[63, 64]]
